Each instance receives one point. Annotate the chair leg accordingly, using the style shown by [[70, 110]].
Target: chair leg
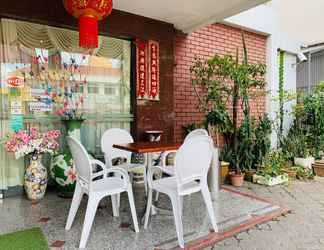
[[77, 197], [209, 205], [181, 204], [177, 219], [145, 180], [157, 194], [93, 202], [132, 207], [148, 207], [115, 207]]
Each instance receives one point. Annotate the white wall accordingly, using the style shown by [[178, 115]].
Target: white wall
[[290, 79], [265, 19]]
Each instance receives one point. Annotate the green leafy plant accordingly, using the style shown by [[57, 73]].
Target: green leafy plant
[[295, 144], [306, 136], [272, 165], [190, 127], [304, 173], [220, 80], [314, 119], [262, 141], [281, 93]]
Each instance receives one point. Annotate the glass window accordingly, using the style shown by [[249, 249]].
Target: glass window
[[52, 70]]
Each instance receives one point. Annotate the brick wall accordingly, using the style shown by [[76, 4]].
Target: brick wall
[[206, 42]]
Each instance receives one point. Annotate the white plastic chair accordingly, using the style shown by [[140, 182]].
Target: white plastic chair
[[192, 163], [120, 136], [96, 186], [169, 169]]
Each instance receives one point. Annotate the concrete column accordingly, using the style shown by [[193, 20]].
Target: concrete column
[[213, 175]]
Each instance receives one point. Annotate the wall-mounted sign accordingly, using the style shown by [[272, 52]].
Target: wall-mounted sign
[[39, 107], [141, 65], [16, 107], [15, 82], [154, 70]]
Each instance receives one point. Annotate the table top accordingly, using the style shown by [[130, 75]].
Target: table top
[[148, 147]]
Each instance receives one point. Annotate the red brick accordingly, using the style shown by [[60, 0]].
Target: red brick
[[213, 39]]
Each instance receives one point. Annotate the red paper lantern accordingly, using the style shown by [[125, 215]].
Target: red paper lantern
[[89, 12]]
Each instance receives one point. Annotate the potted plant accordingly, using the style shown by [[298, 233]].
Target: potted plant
[[302, 155], [236, 175], [303, 174], [289, 169], [271, 171], [210, 80], [32, 144]]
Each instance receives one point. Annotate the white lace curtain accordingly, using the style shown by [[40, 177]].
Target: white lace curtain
[[27, 36]]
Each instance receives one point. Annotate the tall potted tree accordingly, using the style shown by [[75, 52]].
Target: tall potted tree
[[221, 80]]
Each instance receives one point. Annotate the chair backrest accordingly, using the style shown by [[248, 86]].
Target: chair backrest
[[193, 159], [196, 132], [115, 136], [81, 159]]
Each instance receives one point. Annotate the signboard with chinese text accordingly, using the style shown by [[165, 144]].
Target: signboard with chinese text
[[154, 70], [141, 69]]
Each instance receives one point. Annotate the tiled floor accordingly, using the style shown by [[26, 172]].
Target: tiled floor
[[232, 209], [302, 229]]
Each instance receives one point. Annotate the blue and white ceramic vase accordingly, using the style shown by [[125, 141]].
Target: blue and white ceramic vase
[[35, 178]]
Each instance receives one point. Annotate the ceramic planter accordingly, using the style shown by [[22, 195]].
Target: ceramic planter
[[236, 179], [35, 180], [291, 173], [319, 168], [270, 181], [224, 171], [62, 167], [249, 175], [304, 162]]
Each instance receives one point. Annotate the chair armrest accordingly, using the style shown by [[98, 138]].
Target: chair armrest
[[150, 174], [119, 172], [164, 156], [105, 171], [102, 172]]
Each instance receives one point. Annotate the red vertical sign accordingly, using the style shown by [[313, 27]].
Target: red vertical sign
[[154, 70], [141, 68]]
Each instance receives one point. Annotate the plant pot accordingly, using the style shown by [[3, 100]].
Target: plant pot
[[236, 179], [304, 162], [291, 173], [270, 181], [249, 175], [224, 171], [35, 180], [319, 168]]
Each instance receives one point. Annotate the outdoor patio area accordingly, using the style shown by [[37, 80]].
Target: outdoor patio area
[[302, 228], [234, 211], [159, 125]]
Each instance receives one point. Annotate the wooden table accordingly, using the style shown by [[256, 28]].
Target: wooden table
[[148, 147]]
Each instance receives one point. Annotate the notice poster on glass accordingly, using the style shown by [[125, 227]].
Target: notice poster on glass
[[16, 107]]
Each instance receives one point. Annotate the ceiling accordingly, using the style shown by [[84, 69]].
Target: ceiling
[[302, 19], [186, 15]]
